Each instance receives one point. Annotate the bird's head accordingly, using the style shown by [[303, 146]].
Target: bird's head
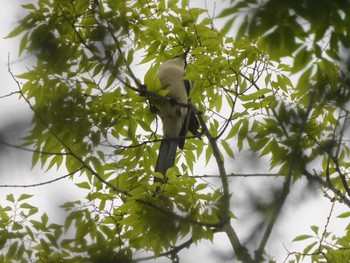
[[181, 59]]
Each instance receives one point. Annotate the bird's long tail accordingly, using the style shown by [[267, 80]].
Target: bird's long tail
[[166, 157]]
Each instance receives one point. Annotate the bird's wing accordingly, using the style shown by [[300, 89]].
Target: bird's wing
[[191, 122]]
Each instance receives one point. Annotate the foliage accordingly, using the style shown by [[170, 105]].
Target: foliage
[[324, 245], [279, 88], [23, 237]]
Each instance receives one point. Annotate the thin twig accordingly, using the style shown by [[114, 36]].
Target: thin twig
[[326, 226], [10, 94], [336, 160], [238, 175], [171, 252], [38, 184], [30, 150], [325, 184]]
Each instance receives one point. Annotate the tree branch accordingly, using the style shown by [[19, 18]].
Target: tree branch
[[336, 159], [241, 252], [327, 185], [219, 161], [30, 150], [238, 175], [10, 94], [295, 154], [38, 184], [171, 252], [324, 234]]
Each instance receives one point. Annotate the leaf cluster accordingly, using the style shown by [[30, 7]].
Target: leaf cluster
[[325, 246]]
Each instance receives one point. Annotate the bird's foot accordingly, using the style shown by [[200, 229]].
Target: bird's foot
[[173, 101]]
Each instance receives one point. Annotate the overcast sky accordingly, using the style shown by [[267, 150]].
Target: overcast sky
[[15, 168]]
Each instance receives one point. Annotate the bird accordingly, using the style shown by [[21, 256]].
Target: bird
[[176, 119]]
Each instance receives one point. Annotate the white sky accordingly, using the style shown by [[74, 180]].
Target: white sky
[[15, 168]]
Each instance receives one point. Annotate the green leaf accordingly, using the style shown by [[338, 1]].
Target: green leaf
[[208, 155], [12, 250], [200, 187], [309, 247], [4, 235], [242, 133], [27, 206], [18, 30], [227, 148], [24, 196], [331, 71], [226, 28], [44, 219], [23, 44], [315, 229], [233, 131], [52, 162], [35, 158], [81, 6], [30, 232], [279, 43], [84, 185], [10, 198], [228, 12], [256, 95], [53, 240], [344, 215], [301, 59], [338, 255], [301, 238], [16, 226], [29, 6], [44, 245]]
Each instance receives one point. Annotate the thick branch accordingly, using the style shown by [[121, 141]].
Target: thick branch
[[241, 252], [219, 161]]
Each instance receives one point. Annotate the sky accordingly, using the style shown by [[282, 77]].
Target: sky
[[15, 168]]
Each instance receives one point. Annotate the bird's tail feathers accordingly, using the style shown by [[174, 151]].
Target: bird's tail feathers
[[166, 157]]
